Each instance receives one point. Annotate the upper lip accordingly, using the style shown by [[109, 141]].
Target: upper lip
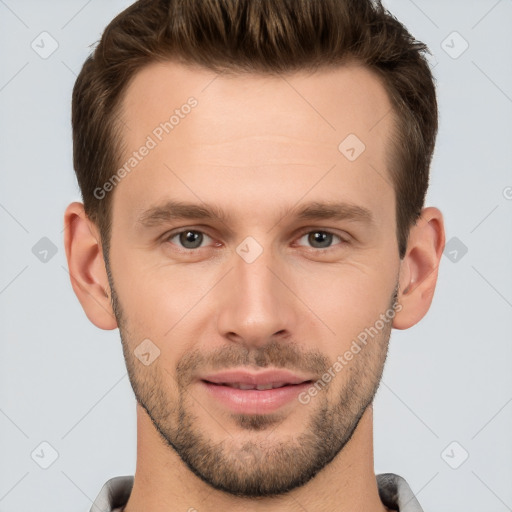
[[261, 378]]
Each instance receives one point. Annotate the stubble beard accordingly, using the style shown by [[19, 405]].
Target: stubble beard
[[271, 464]]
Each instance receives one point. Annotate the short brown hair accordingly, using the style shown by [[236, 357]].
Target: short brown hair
[[262, 36]]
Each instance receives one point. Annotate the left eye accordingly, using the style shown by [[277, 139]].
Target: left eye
[[320, 239], [189, 239]]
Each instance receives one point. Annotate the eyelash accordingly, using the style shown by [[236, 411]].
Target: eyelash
[[170, 236]]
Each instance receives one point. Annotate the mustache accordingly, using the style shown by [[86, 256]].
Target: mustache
[[276, 354]]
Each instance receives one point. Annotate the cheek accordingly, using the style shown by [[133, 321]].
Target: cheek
[[346, 300], [150, 304], [167, 304]]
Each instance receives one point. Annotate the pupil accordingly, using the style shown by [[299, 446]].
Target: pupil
[[320, 237]]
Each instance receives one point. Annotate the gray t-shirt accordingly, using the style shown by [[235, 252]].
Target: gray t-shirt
[[394, 493]]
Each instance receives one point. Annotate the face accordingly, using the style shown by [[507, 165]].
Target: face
[[254, 265]]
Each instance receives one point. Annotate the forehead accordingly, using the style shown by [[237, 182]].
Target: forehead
[[331, 101], [256, 129]]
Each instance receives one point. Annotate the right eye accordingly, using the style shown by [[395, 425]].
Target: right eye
[[189, 239]]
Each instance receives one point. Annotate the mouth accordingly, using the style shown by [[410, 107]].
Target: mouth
[[262, 392], [259, 387]]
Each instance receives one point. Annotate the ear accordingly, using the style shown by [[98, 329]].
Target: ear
[[87, 267], [419, 268]]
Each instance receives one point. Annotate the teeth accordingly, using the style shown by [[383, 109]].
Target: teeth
[[237, 385], [259, 387], [264, 386]]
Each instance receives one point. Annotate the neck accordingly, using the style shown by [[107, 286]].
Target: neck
[[163, 482]]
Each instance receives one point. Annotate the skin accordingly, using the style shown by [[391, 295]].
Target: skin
[[257, 147]]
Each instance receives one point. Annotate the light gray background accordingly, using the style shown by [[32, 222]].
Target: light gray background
[[449, 378]]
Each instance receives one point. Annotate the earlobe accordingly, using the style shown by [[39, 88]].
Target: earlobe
[[419, 268], [87, 267]]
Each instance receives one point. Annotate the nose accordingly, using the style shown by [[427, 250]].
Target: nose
[[256, 305]]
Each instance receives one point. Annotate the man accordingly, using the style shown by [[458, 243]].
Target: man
[[253, 177]]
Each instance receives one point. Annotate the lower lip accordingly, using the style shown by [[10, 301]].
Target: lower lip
[[253, 401]]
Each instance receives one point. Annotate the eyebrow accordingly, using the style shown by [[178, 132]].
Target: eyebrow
[[180, 210]]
